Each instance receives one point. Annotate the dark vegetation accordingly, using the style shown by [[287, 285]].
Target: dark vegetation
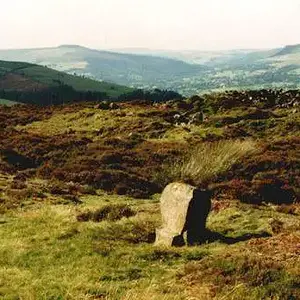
[[108, 212]]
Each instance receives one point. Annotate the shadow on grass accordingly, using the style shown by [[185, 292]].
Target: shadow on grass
[[212, 236]]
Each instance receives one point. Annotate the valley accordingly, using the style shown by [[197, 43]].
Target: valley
[[186, 72]]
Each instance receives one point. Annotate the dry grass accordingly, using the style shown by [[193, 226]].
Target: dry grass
[[208, 160]]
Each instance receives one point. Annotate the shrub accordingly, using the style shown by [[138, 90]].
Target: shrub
[[18, 185], [264, 277], [257, 191], [108, 212]]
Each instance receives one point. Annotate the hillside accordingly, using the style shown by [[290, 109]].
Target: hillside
[[287, 50], [7, 102], [235, 69], [80, 187], [248, 70], [25, 82], [187, 72], [127, 69]]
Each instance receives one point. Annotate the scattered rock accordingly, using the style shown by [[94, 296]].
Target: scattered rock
[[260, 98], [184, 208]]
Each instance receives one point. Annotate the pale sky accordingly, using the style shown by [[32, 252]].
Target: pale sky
[[155, 24]]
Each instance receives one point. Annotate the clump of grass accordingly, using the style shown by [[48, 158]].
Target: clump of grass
[[209, 160], [107, 212]]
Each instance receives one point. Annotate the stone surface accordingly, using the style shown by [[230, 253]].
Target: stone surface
[[102, 105], [113, 105], [184, 208]]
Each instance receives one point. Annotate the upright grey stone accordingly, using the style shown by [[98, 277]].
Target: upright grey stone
[[184, 208]]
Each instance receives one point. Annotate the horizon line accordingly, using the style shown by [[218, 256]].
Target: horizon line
[[149, 49]]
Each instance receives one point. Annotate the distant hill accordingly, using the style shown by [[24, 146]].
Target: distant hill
[[7, 102], [187, 72], [127, 69], [240, 69], [31, 83], [290, 49]]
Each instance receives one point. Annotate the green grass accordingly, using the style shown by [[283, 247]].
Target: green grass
[[47, 76], [7, 102], [87, 121], [45, 253], [52, 78]]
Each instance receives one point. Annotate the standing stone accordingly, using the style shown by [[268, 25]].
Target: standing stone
[[184, 208]]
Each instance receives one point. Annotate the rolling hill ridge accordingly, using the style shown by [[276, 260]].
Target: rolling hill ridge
[[31, 83], [186, 72], [146, 71]]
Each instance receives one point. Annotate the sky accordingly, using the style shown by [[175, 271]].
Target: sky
[[153, 24]]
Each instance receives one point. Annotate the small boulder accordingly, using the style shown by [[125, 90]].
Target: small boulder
[[184, 209], [113, 106], [102, 105], [196, 118]]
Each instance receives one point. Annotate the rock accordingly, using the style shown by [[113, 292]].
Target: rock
[[180, 119], [106, 105], [102, 105], [114, 105], [196, 118], [184, 208]]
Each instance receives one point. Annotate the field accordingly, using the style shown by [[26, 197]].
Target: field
[[18, 77], [7, 102], [46, 253], [80, 187]]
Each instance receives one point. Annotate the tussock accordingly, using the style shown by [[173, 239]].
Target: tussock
[[208, 160]]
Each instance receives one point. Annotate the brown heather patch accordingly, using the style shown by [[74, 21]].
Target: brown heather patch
[[283, 247], [259, 269]]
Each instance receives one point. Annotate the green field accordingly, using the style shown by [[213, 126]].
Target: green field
[[7, 102], [45, 253], [52, 78]]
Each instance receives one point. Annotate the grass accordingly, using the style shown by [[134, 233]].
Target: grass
[[48, 77], [7, 102], [87, 122], [46, 253], [51, 78], [64, 238], [209, 160]]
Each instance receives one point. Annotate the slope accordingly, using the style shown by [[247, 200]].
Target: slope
[[187, 72], [68, 175], [19, 81], [7, 102], [121, 68]]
